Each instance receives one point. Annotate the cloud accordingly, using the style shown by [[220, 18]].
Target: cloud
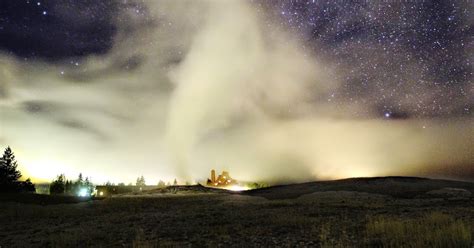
[[188, 86]]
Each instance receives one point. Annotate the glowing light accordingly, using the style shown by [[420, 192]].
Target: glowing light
[[237, 188], [83, 192], [101, 193], [44, 169]]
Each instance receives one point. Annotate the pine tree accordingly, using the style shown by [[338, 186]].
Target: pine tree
[[9, 174], [80, 181], [78, 184], [161, 184], [58, 186], [175, 182], [68, 187], [88, 185], [140, 181]]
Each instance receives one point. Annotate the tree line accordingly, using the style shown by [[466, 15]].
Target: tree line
[[79, 187], [10, 180], [140, 182]]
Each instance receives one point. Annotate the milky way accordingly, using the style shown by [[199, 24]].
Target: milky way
[[271, 90]]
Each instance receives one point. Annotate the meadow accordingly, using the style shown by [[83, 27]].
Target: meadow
[[221, 219]]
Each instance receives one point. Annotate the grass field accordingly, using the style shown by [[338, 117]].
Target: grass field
[[316, 219]]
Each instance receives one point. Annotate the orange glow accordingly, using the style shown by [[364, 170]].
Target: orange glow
[[237, 188]]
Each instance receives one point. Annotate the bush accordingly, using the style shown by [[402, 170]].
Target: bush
[[27, 186], [257, 185]]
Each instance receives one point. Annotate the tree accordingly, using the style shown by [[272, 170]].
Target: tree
[[68, 187], [175, 182], [78, 184], [141, 181], [161, 184], [58, 186], [89, 186], [27, 186], [9, 174]]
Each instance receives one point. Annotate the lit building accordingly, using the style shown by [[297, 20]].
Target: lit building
[[222, 180]]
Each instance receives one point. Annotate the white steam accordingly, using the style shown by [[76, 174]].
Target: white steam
[[215, 88]]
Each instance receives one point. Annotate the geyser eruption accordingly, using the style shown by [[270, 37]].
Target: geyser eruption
[[235, 73], [189, 86], [247, 99]]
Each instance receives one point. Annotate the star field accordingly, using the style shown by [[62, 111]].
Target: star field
[[405, 59], [408, 59]]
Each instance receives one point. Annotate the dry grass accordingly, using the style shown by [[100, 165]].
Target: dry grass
[[210, 220], [431, 230]]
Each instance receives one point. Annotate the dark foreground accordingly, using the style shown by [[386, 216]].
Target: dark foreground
[[320, 216]]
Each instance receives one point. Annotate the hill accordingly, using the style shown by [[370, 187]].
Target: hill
[[400, 187]]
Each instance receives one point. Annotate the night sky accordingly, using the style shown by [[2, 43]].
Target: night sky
[[269, 90]]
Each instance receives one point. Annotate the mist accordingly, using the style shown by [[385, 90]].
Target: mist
[[194, 86]]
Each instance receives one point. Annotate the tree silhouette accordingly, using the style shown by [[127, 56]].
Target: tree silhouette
[[89, 186], [58, 186], [161, 184], [68, 187], [78, 184], [175, 182], [9, 173], [27, 186], [79, 179], [141, 181]]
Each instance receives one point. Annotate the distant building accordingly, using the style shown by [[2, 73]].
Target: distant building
[[222, 180]]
